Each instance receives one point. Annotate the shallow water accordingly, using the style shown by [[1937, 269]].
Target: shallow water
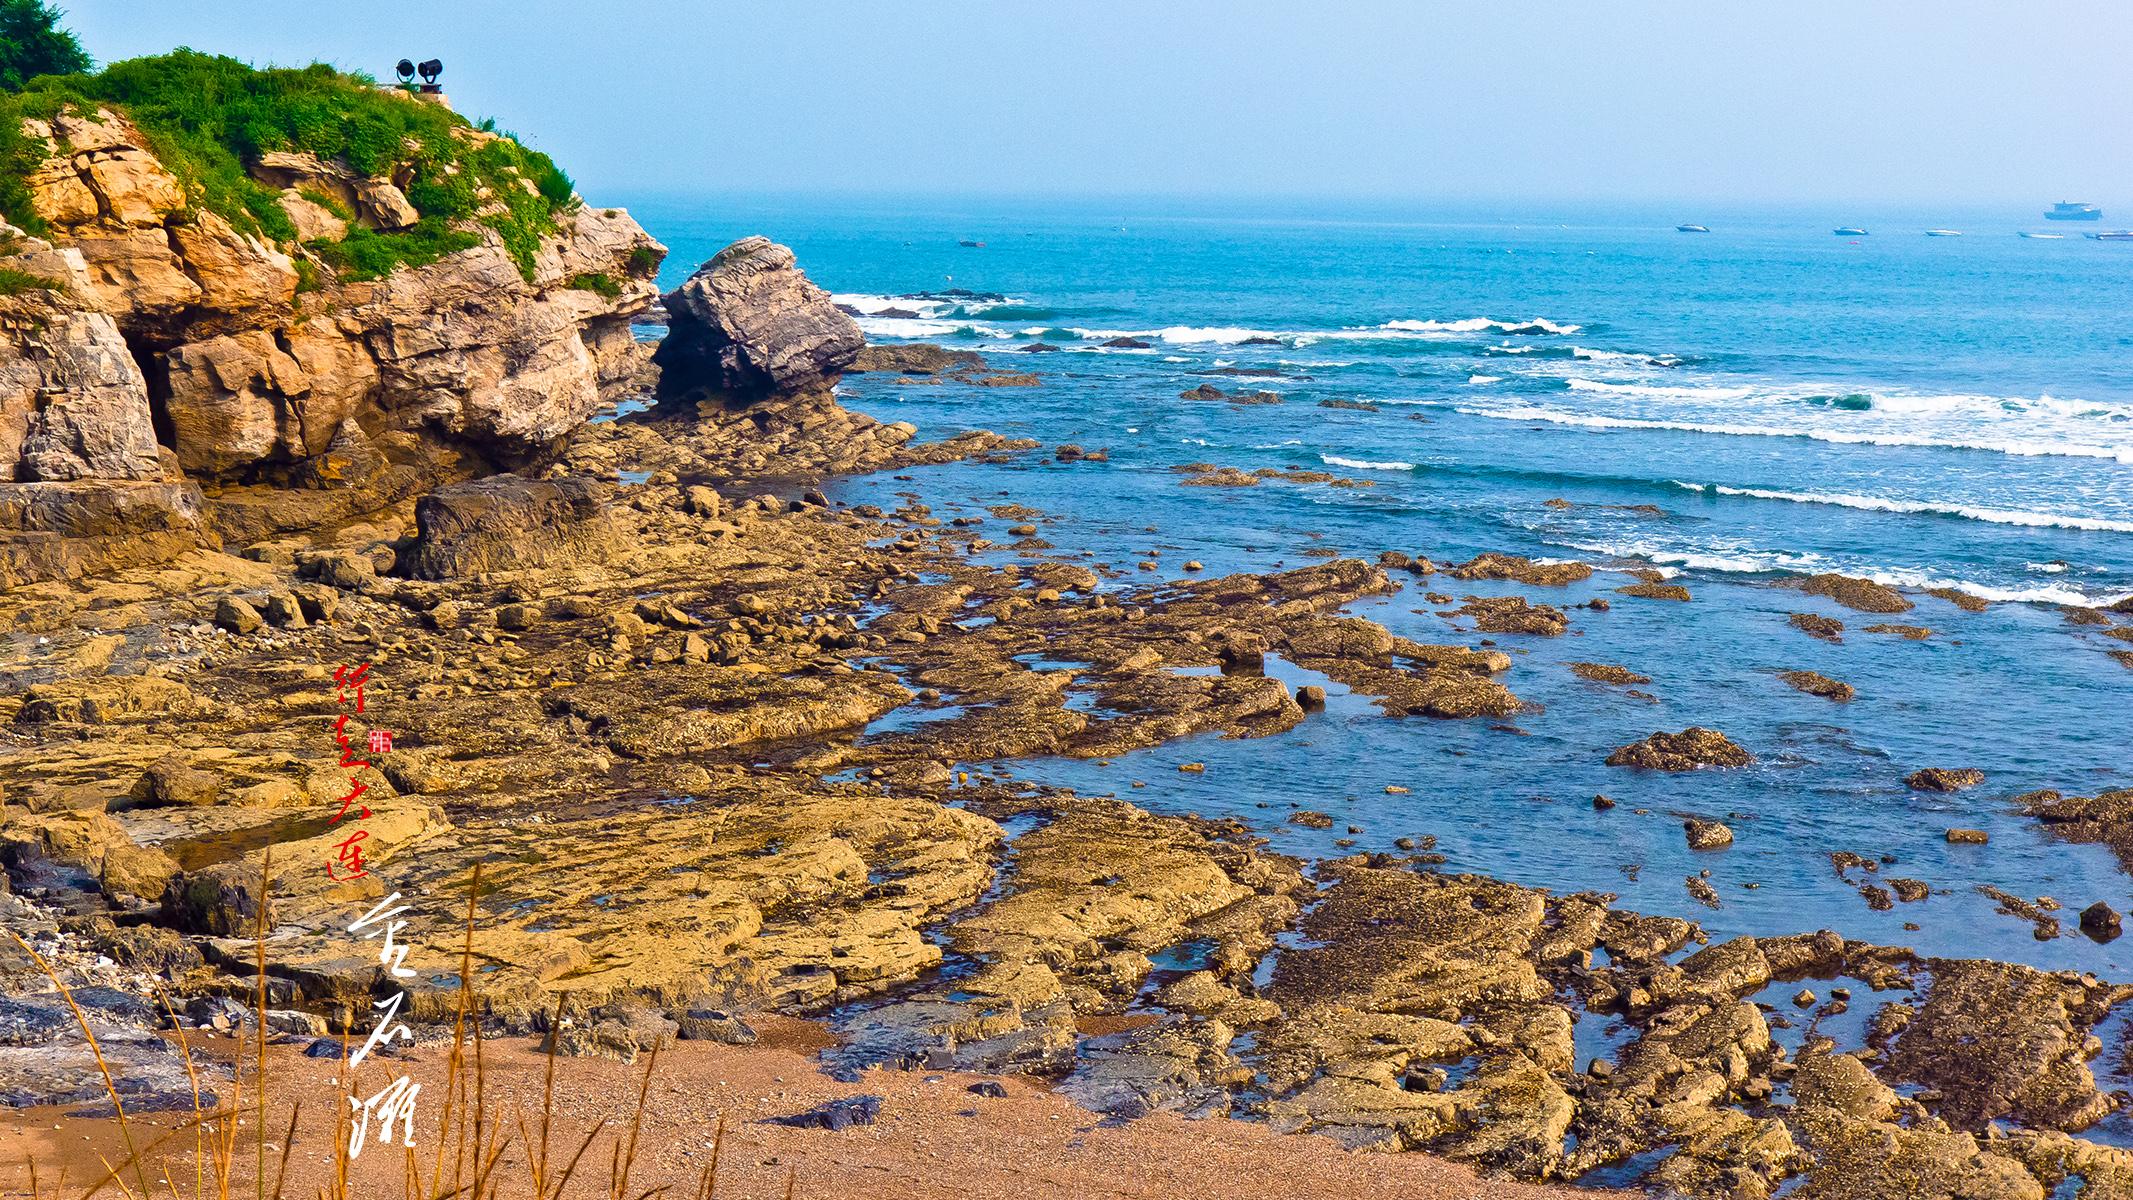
[[1923, 411]]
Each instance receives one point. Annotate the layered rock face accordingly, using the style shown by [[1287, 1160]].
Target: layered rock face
[[155, 344], [749, 322]]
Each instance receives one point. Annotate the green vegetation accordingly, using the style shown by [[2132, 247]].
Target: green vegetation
[[15, 283], [207, 116], [33, 44], [643, 260], [601, 282], [368, 254]]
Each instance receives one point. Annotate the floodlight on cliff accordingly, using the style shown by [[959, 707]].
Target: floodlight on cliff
[[406, 70], [431, 68]]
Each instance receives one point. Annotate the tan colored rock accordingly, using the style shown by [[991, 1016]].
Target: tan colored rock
[[314, 222]]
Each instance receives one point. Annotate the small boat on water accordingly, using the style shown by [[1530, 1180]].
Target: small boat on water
[[967, 243], [2069, 210], [1692, 229], [2115, 235], [1849, 231], [1944, 233], [2043, 237]]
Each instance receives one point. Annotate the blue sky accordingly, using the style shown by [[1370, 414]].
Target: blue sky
[[1953, 101]]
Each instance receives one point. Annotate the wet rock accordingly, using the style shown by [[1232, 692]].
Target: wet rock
[[1968, 837], [988, 1089], [834, 1116], [1861, 595], [914, 358], [1944, 779], [1816, 684], [1655, 591], [2001, 1040], [1605, 673], [1513, 614], [1310, 697], [749, 322], [1521, 570], [1913, 633], [1707, 835], [1828, 629], [1685, 751], [2101, 922]]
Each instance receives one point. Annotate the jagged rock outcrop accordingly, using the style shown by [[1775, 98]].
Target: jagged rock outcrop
[[147, 342], [749, 322]]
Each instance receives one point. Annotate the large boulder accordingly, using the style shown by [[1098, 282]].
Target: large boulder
[[749, 322], [509, 523]]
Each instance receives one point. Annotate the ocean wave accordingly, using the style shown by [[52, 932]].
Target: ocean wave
[[1483, 325], [1358, 464], [2017, 446], [1742, 560], [921, 328], [1484, 379], [1996, 516]]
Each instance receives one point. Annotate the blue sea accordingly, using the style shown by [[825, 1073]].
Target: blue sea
[[1737, 409]]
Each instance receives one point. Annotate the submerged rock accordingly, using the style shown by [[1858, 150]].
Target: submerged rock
[[1862, 595], [1817, 684], [1944, 779]]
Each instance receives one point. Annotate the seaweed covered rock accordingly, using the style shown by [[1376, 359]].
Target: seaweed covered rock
[[1685, 751]]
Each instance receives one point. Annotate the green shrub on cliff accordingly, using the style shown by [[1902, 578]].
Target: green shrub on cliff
[[207, 116], [33, 44]]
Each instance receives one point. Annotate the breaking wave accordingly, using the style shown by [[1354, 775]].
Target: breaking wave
[[1997, 516]]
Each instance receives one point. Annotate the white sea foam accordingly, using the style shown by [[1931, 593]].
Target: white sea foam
[[1953, 441], [1477, 379], [1997, 516], [1606, 355], [925, 327], [1358, 464], [1481, 324], [1744, 560]]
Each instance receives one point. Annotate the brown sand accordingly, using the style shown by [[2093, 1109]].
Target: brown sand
[[935, 1138]]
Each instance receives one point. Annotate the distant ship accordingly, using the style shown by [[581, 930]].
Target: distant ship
[[2068, 210], [1848, 231], [1692, 228], [2044, 237], [2115, 235], [967, 243], [1944, 233]]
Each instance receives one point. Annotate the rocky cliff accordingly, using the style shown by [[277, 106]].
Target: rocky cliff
[[150, 349]]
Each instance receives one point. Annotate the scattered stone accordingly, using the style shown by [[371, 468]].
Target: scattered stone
[[2101, 922], [1655, 591], [1968, 837], [236, 616], [1707, 835], [1604, 673], [834, 1116], [1912, 633], [1816, 684]]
